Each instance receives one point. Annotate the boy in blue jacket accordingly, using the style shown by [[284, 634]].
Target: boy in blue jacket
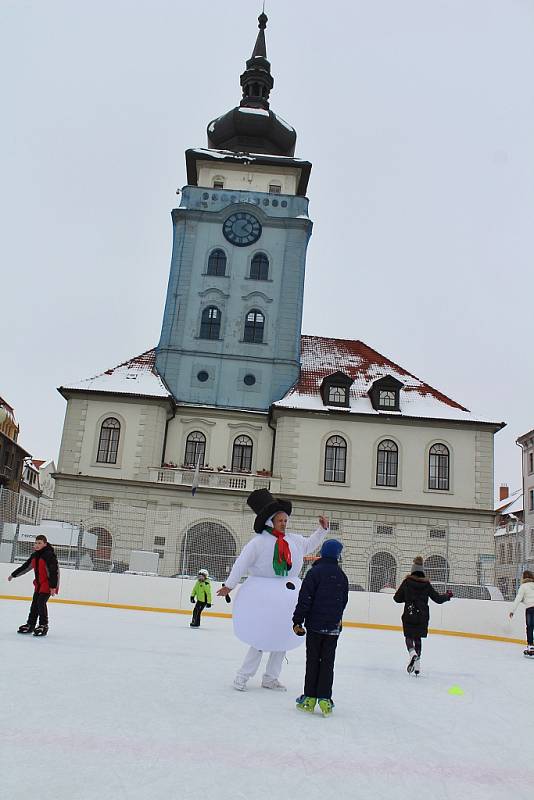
[[322, 599]]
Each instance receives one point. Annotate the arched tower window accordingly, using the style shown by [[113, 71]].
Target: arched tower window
[[242, 454], [259, 267], [387, 463], [382, 572], [210, 326], [217, 263], [108, 443], [436, 569], [254, 327], [335, 459], [195, 449], [438, 467]]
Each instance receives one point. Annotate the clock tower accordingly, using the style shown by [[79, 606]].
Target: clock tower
[[232, 323]]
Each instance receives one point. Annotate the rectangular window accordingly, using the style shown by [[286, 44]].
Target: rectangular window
[[510, 553], [531, 499], [384, 530], [159, 540], [275, 188], [530, 462], [160, 553], [502, 553], [218, 184], [101, 505], [334, 526], [387, 399], [438, 533]]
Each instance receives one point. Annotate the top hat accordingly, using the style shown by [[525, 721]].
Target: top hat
[[264, 506]]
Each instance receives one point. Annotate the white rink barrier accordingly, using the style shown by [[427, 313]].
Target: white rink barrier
[[480, 618]]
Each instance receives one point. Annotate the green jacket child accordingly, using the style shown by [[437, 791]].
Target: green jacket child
[[202, 588]]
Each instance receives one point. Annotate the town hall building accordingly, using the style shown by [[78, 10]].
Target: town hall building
[[235, 398]]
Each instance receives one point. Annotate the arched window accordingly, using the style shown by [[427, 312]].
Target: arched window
[[382, 572], [208, 545], [104, 544], [387, 463], [259, 267], [242, 454], [438, 467], [335, 459], [254, 325], [108, 443], [436, 569], [195, 449], [217, 263], [210, 326]]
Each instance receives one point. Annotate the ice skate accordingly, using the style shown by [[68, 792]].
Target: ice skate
[[41, 630], [305, 703], [240, 683], [529, 652], [411, 662], [26, 628], [417, 666], [192, 625], [273, 683], [326, 706]]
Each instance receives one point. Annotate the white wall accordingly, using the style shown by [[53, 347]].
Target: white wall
[[468, 616], [252, 178]]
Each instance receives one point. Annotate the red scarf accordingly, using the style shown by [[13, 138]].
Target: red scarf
[[284, 553]]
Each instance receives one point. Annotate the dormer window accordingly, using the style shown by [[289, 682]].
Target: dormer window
[[385, 394], [335, 390], [218, 182]]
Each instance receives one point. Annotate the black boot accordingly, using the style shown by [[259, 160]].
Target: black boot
[[41, 630], [26, 628]]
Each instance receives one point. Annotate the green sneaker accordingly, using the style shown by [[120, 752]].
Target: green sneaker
[[306, 703], [326, 706]]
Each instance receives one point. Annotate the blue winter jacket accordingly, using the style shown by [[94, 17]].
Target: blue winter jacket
[[322, 598]]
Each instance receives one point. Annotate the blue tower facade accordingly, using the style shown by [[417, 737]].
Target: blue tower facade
[[232, 322]]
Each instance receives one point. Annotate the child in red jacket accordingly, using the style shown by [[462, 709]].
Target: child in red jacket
[[43, 561]]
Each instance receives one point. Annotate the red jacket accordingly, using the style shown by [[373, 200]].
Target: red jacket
[[45, 568]]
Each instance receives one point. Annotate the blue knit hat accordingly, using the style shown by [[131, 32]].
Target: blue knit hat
[[331, 548]]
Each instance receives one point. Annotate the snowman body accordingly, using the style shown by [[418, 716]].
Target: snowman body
[[264, 604]]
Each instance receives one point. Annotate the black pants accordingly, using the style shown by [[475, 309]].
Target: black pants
[[529, 618], [320, 656], [197, 611], [414, 643], [38, 609]]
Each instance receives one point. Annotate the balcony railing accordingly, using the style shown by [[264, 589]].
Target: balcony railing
[[237, 481]]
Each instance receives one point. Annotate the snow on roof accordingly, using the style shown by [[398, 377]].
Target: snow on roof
[[513, 504], [322, 356], [137, 376], [246, 110]]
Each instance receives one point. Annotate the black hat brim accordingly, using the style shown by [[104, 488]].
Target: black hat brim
[[269, 510]]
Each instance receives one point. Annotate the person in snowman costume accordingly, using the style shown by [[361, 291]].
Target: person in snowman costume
[[264, 604]]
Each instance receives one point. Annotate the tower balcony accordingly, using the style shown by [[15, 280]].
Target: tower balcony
[[208, 479]]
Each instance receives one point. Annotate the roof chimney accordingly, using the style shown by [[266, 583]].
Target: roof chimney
[[504, 491]]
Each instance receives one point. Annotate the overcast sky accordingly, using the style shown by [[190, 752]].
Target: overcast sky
[[418, 117]]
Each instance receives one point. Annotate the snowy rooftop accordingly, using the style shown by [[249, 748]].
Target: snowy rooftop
[[513, 504], [137, 376], [322, 356], [131, 705]]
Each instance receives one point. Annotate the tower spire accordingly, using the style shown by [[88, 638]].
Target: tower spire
[[257, 80]]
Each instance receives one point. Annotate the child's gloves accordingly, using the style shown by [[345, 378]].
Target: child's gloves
[[208, 605], [192, 599], [449, 594], [298, 629]]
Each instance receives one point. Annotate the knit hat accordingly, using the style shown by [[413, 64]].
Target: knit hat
[[204, 572], [417, 566], [331, 549]]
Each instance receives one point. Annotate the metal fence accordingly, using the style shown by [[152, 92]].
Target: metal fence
[[103, 535]]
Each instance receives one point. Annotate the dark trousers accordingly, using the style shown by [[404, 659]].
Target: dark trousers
[[38, 609], [320, 656], [414, 644], [197, 611], [529, 618]]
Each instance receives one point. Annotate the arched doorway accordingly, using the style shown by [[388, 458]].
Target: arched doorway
[[208, 545], [382, 571], [104, 545], [436, 569]]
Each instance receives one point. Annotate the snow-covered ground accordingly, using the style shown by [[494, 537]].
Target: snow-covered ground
[[127, 705]]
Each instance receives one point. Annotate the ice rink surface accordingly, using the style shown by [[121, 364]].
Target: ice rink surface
[[129, 705]]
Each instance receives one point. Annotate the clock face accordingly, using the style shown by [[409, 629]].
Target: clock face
[[242, 229]]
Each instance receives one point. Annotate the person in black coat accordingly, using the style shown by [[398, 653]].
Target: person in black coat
[[43, 561], [322, 599], [414, 592]]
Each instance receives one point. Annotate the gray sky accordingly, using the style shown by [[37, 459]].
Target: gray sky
[[418, 118]]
